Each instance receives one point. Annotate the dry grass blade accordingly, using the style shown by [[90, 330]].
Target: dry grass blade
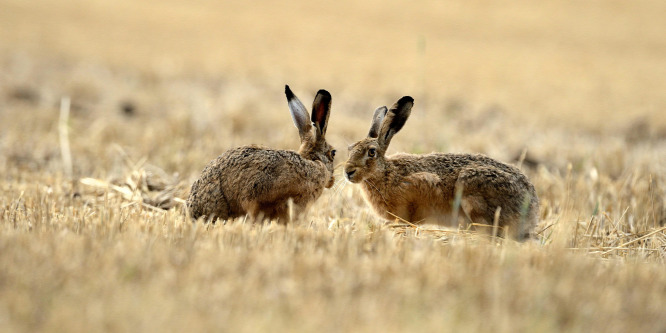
[[63, 130], [624, 245], [154, 189]]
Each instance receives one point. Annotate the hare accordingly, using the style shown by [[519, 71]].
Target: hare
[[433, 187], [260, 181]]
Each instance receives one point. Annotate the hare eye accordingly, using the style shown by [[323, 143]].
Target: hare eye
[[372, 152], [332, 153]]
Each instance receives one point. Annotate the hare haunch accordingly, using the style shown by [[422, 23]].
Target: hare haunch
[[430, 187], [260, 181]]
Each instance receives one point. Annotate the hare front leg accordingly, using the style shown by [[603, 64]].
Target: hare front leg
[[474, 189], [474, 208], [282, 211], [262, 211]]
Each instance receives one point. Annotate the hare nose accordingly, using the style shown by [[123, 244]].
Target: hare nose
[[350, 173]]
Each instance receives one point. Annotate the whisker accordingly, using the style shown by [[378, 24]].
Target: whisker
[[339, 187], [335, 187], [375, 187], [339, 165], [342, 187], [337, 190]]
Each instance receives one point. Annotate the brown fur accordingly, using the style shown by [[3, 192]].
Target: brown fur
[[422, 188], [260, 181]]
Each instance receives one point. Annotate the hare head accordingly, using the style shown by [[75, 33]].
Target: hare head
[[367, 157], [313, 138]]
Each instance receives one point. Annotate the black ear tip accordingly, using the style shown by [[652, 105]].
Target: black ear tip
[[324, 93], [406, 99], [288, 92]]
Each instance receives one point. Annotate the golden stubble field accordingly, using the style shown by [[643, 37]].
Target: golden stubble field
[[573, 92]]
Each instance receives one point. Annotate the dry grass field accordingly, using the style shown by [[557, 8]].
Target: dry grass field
[[573, 92]]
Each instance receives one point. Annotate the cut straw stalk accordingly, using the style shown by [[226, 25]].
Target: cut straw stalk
[[124, 192], [496, 221], [63, 132], [636, 240]]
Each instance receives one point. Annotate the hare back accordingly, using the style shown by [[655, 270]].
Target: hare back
[[449, 167], [448, 164], [256, 180]]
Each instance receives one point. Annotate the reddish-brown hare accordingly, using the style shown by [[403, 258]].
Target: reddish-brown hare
[[437, 187]]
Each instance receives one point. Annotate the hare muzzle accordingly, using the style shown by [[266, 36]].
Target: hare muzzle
[[350, 172]]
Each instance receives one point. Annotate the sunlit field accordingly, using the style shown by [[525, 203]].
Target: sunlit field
[[109, 110]]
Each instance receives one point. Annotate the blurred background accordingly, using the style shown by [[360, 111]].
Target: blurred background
[[162, 78]]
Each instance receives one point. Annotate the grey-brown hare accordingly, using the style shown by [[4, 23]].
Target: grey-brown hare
[[260, 181]]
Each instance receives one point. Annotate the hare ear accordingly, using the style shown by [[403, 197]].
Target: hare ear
[[321, 109], [377, 119], [394, 120], [298, 113]]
